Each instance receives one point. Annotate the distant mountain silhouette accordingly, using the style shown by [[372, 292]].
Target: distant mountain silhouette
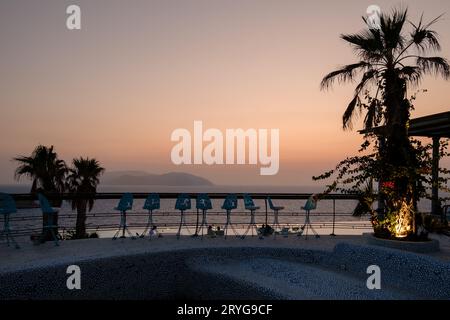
[[144, 178]]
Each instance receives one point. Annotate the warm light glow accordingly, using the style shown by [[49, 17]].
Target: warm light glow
[[403, 223]]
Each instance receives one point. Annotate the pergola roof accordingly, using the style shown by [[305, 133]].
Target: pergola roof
[[436, 125]]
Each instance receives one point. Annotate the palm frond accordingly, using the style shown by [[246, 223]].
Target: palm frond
[[370, 75], [349, 113], [434, 66], [345, 74], [423, 37], [368, 44], [411, 74], [391, 26]]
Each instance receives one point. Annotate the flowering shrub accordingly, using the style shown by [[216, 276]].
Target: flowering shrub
[[398, 217]]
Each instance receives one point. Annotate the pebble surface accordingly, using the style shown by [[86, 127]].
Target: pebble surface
[[237, 270]]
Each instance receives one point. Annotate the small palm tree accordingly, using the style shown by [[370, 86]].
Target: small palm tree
[[47, 173], [43, 167], [82, 183]]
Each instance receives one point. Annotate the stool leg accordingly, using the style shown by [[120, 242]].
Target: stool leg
[[251, 222], [308, 225], [55, 238], [11, 237], [251, 225], [124, 224], [52, 231], [302, 228], [196, 225], [149, 224], [226, 225], [6, 228], [204, 222], [181, 224], [120, 227], [6, 232]]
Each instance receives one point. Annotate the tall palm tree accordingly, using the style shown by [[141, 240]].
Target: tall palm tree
[[82, 183], [392, 60], [47, 173]]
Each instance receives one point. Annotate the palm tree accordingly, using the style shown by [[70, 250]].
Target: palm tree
[[82, 183], [392, 60], [43, 167], [47, 173]]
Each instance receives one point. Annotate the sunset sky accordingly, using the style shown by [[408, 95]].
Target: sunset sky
[[137, 70]]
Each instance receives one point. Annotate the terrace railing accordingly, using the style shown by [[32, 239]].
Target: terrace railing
[[104, 219]]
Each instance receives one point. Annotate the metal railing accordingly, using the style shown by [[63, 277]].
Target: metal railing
[[168, 219]]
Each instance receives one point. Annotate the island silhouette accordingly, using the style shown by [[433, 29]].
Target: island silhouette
[[145, 178]]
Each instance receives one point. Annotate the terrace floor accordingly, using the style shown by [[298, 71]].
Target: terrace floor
[[31, 256]]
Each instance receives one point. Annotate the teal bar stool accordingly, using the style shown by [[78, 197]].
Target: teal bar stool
[[125, 204], [311, 204], [183, 203], [151, 203], [204, 204], [276, 210], [250, 205], [230, 203], [7, 207], [50, 213]]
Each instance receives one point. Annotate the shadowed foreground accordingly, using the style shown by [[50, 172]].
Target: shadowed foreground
[[216, 269]]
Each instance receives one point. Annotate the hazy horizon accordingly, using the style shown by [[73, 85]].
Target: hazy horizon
[[137, 70]]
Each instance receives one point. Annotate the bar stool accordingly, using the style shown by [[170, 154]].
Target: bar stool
[[311, 204], [50, 212], [203, 203], [250, 205], [125, 204], [151, 203], [275, 209], [183, 203], [229, 204], [7, 206]]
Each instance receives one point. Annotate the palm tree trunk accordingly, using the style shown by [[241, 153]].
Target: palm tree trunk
[[80, 231], [398, 155]]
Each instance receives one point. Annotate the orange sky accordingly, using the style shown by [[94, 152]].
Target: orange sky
[[137, 70]]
